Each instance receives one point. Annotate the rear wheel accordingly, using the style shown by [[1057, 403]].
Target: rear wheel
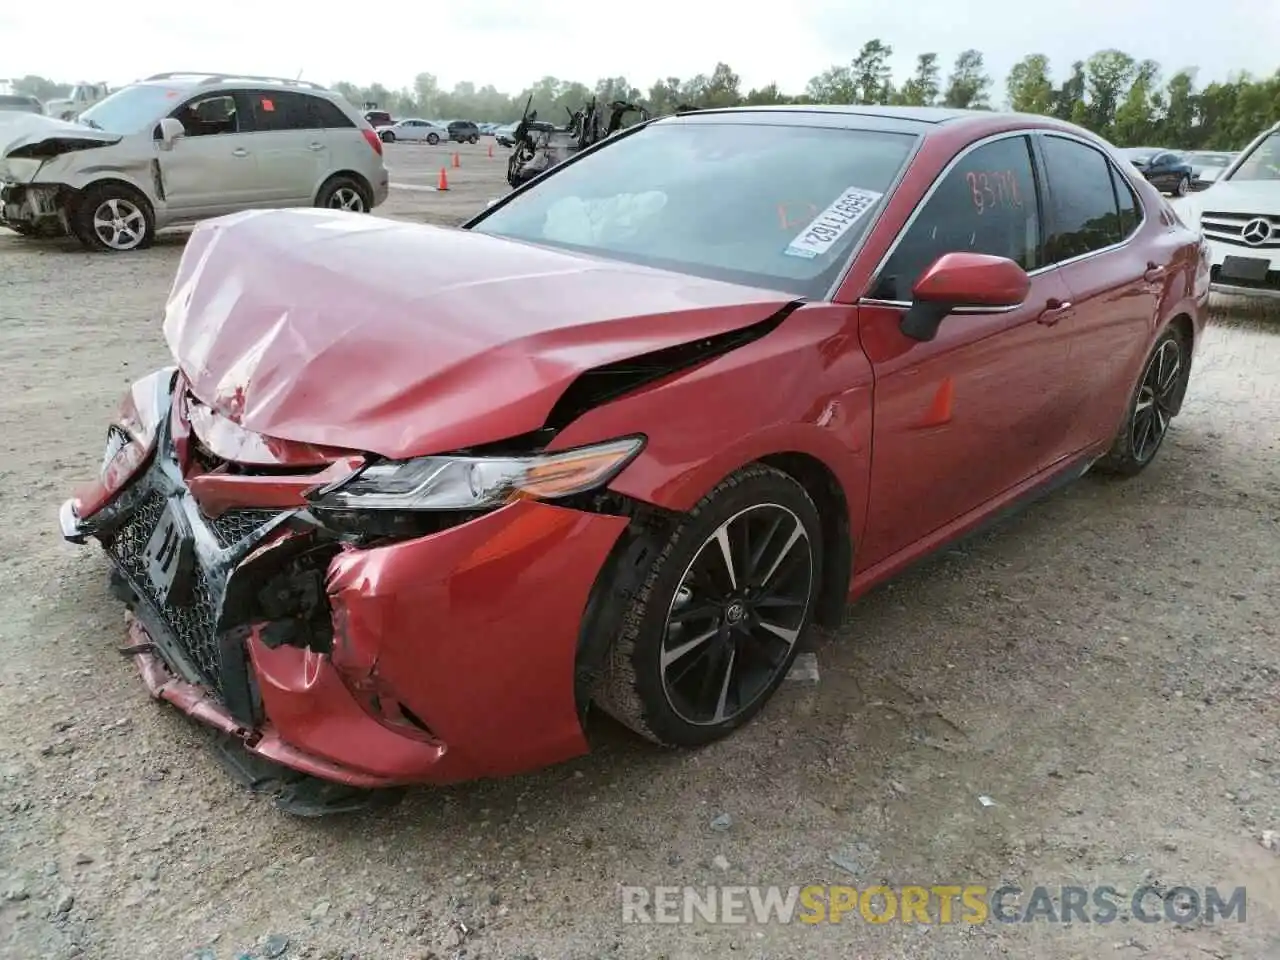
[[473, 139], [114, 217], [1184, 187], [1154, 404], [719, 619], [433, 138]]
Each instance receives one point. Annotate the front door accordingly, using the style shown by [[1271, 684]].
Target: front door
[[210, 169], [976, 411]]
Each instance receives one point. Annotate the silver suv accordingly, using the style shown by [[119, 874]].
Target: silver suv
[[181, 147]]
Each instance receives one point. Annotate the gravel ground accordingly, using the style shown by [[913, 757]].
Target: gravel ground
[[1104, 667]]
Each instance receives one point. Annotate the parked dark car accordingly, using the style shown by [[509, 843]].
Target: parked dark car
[[1168, 171], [379, 118], [463, 131], [1207, 166], [506, 134]]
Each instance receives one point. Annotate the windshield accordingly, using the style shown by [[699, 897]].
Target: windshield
[[1263, 163], [771, 206], [132, 109]]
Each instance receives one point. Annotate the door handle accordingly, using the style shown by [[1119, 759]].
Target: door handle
[[1054, 310], [239, 152], [1154, 273], [316, 146]]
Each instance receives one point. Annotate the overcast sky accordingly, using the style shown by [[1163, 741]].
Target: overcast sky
[[510, 43]]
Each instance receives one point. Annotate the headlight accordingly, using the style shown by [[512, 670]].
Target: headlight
[[479, 483]]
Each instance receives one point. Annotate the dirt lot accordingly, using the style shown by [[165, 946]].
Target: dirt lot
[[1105, 667]]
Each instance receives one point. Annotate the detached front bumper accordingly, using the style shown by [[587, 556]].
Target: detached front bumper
[[451, 657]]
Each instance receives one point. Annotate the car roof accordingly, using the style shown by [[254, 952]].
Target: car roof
[[188, 81], [926, 121]]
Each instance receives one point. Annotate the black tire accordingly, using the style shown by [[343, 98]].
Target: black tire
[[133, 227], [635, 689], [1135, 447], [433, 138], [344, 193], [388, 136], [1184, 187], [473, 139]]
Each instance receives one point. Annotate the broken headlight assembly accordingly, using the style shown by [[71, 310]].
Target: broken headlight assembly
[[425, 494]]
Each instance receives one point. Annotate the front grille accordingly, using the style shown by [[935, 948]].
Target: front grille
[[1229, 228], [193, 625], [234, 525]]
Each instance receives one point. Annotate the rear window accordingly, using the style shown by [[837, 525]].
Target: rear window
[[770, 206], [289, 110]]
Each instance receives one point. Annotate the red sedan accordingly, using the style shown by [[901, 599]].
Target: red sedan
[[411, 498]]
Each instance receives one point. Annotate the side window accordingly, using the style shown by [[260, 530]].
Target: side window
[[1085, 216], [326, 114], [280, 110], [986, 203], [209, 116], [1127, 203]]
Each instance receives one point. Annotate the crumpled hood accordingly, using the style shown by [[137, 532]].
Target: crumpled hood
[[347, 330], [28, 129]]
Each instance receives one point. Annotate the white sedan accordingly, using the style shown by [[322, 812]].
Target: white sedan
[[416, 131]]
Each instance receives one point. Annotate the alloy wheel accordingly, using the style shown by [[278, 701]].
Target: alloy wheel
[[1157, 400], [737, 614], [119, 223], [347, 198]]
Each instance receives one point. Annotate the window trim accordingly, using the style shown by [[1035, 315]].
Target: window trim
[[1116, 168], [1032, 158]]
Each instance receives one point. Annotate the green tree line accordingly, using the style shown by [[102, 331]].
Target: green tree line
[[1130, 102]]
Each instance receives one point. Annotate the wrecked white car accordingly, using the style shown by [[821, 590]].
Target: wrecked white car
[[178, 148]]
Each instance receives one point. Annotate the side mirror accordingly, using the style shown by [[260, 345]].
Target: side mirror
[[170, 129], [975, 282]]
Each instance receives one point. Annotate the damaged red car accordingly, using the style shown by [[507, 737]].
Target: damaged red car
[[411, 499]]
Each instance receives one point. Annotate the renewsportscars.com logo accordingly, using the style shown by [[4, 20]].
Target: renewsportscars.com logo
[[935, 904]]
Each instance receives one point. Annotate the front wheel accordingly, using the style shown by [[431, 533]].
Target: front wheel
[[720, 617], [388, 137], [113, 217], [433, 139], [1184, 187], [1154, 404]]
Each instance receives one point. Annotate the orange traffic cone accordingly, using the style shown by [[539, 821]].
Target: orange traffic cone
[[443, 183], [457, 161], [491, 150]]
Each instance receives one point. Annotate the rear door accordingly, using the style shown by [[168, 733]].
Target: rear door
[[290, 146], [967, 416], [1094, 219]]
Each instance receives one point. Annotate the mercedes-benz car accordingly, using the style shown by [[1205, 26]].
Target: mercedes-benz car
[[411, 502], [1240, 217]]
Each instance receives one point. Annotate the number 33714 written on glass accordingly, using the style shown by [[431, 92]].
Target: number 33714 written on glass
[[994, 188]]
